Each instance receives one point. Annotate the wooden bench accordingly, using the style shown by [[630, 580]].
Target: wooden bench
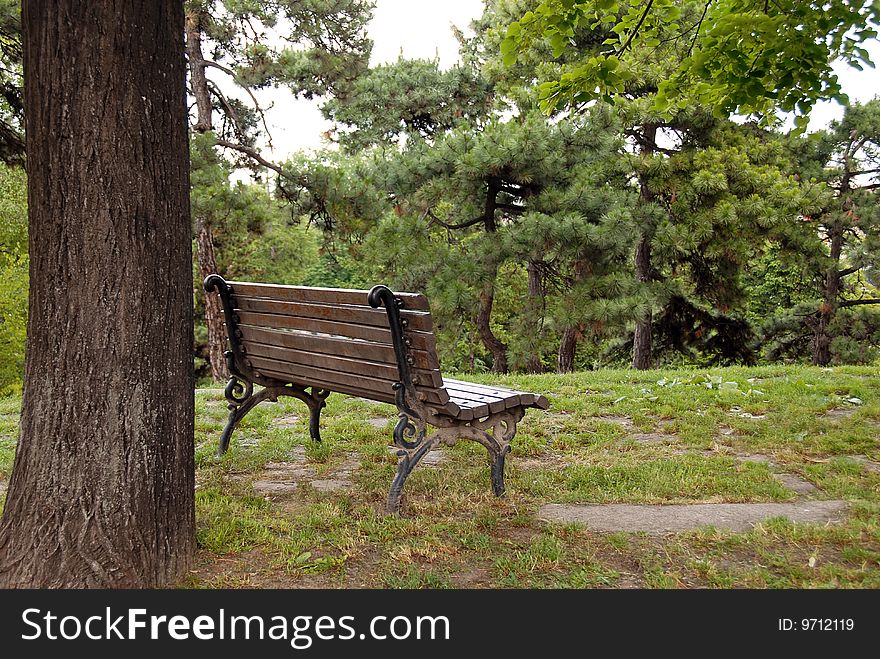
[[307, 342]]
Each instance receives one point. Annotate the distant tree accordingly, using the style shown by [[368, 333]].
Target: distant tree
[[838, 244], [102, 488]]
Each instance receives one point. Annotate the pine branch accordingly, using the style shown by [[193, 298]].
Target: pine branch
[[462, 225], [257, 156], [848, 271], [240, 83], [854, 303]]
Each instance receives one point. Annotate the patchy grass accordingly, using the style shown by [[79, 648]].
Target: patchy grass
[[610, 436]]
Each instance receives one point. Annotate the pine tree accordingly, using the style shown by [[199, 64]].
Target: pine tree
[[838, 243], [323, 48]]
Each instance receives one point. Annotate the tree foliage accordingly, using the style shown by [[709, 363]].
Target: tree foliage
[[735, 56]]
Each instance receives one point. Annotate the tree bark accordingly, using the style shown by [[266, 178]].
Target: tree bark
[[497, 347], [830, 292], [207, 261], [534, 315], [567, 350], [642, 336], [641, 358], [213, 311], [102, 490]]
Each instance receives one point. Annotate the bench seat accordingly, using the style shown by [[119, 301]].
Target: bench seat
[[307, 342]]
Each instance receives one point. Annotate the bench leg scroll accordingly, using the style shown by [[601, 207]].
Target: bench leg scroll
[[242, 399], [494, 432]]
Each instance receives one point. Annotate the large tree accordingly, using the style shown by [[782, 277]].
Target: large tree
[[101, 493]]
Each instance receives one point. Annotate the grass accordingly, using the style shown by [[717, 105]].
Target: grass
[[609, 437]]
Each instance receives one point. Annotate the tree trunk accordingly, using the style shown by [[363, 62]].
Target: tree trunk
[[101, 493], [567, 351], [213, 310], [642, 337], [570, 335], [828, 308], [493, 344], [534, 316], [641, 359]]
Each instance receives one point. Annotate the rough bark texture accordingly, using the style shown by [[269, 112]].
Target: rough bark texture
[[101, 493], [495, 345], [535, 315], [642, 259], [567, 351], [213, 310], [830, 292], [207, 262], [642, 336], [487, 296], [568, 343]]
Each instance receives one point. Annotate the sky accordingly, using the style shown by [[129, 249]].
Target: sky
[[422, 29]]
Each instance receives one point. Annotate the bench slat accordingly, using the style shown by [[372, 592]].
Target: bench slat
[[344, 364], [416, 320], [495, 403], [411, 301], [419, 340], [340, 381], [341, 347], [525, 398]]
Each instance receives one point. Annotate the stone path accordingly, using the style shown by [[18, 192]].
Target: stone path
[[672, 518], [3, 487], [431, 460], [280, 478], [287, 421]]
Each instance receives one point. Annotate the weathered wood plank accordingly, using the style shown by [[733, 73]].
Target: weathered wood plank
[[415, 320], [411, 301], [526, 399], [339, 381], [418, 340], [343, 364], [495, 403], [329, 345]]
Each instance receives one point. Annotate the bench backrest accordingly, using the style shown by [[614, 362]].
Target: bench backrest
[[333, 339]]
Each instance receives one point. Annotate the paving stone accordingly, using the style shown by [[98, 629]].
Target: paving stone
[[796, 483], [378, 423], [624, 421], [754, 457], [866, 462], [332, 484], [839, 413], [431, 459], [3, 487], [286, 421], [281, 471], [652, 437], [672, 518], [349, 465], [270, 487]]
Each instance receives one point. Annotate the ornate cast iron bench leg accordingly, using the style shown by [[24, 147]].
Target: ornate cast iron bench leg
[[502, 426], [242, 399]]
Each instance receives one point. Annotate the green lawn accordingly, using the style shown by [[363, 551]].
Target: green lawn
[[609, 436]]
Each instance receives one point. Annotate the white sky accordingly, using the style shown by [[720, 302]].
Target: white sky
[[422, 29]]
